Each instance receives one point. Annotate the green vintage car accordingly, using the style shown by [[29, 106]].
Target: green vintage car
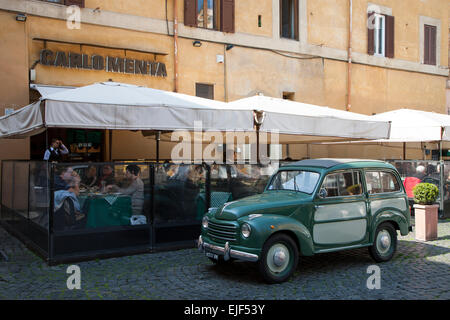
[[309, 207]]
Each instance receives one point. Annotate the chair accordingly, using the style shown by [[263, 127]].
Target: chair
[[65, 218]]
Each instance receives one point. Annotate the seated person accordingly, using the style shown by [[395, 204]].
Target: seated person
[[62, 176], [135, 188], [67, 207], [107, 176], [90, 179], [354, 190]]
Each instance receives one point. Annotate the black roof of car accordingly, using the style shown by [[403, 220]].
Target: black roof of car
[[328, 163]]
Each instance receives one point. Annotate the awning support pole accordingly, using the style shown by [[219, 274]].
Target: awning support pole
[[404, 150], [257, 144], [158, 139], [110, 144]]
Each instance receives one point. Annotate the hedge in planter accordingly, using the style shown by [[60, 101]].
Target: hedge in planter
[[425, 193], [426, 214]]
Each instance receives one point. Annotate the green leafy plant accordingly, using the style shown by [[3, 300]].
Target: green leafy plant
[[425, 193]]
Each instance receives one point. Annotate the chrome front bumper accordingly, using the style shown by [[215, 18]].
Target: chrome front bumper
[[226, 251]]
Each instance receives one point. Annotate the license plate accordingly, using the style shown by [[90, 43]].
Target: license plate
[[212, 255]]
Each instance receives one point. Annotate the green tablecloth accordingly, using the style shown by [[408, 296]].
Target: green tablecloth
[[102, 214]]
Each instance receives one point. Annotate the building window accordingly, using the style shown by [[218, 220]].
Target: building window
[[288, 96], [381, 35], [79, 3], [204, 90], [430, 33], [210, 14], [289, 19], [209, 20]]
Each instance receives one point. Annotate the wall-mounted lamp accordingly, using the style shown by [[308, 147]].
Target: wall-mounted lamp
[[229, 47], [197, 43], [21, 17]]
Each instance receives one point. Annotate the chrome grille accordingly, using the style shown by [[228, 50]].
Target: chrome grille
[[222, 231]]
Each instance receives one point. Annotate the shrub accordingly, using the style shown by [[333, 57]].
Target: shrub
[[425, 193]]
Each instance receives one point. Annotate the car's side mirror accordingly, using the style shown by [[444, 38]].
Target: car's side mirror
[[323, 193]]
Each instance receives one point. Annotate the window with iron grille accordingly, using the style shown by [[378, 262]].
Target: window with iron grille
[[79, 3], [204, 90]]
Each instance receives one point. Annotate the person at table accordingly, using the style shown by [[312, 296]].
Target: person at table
[[55, 151], [63, 175], [107, 176], [135, 188], [90, 179], [68, 212]]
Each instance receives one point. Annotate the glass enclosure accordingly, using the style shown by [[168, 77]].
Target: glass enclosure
[[72, 211], [413, 172]]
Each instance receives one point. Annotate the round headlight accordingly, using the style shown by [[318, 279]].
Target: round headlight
[[205, 222], [246, 230]]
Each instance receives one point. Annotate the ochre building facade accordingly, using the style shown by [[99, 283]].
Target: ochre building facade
[[394, 55]]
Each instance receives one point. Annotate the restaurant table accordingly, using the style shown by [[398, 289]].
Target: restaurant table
[[106, 210]]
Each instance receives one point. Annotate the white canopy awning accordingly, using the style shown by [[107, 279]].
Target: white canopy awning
[[110, 105], [46, 90], [311, 121], [416, 126], [22, 123], [119, 106]]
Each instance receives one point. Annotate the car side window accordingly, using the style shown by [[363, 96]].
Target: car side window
[[389, 182], [381, 182], [342, 184]]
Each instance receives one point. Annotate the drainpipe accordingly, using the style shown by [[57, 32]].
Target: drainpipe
[[349, 76], [175, 40]]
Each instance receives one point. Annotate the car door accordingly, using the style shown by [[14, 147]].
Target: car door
[[340, 211], [385, 193]]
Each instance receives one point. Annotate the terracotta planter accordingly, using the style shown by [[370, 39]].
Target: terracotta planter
[[426, 218]]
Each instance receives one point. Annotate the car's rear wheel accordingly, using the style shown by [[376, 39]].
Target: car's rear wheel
[[279, 258], [385, 243]]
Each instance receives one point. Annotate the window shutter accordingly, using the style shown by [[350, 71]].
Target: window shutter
[[433, 46], [296, 19], [426, 45], [79, 3], [227, 16], [430, 45], [390, 36], [370, 34], [190, 13]]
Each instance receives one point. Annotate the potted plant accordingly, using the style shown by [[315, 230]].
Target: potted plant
[[426, 211]]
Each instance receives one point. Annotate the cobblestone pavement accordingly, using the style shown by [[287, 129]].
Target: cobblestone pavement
[[417, 271]]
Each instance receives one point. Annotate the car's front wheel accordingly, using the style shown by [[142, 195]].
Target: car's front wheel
[[385, 243], [279, 258]]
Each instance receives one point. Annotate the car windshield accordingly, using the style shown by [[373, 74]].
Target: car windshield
[[294, 180]]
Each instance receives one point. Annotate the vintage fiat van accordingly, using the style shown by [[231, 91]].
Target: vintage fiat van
[[310, 207]]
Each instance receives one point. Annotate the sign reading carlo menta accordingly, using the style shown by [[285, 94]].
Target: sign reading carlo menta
[[100, 63]]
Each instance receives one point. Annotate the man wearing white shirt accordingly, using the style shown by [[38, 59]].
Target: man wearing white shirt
[[57, 148]]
